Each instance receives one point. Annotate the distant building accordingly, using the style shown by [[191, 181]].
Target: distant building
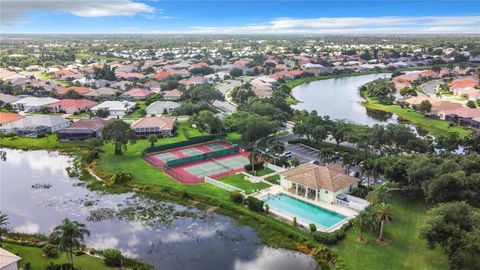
[[7, 117], [83, 129], [162, 107], [115, 108], [8, 260], [153, 125], [72, 105], [263, 86], [174, 94], [100, 93], [136, 94]]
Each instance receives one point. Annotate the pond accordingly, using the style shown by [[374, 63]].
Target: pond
[[36, 194], [339, 99]]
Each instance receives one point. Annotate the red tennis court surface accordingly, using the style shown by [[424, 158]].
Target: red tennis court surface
[[195, 172], [159, 159]]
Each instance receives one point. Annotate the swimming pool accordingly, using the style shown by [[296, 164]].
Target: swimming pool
[[303, 210]]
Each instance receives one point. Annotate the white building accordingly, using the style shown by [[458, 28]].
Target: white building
[[162, 107], [8, 260], [33, 103], [35, 125], [115, 108]]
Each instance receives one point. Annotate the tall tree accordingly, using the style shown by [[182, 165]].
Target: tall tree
[[120, 133], [3, 222], [70, 234], [361, 222], [382, 214]]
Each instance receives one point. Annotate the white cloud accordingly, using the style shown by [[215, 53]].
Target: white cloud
[[353, 25], [13, 11]]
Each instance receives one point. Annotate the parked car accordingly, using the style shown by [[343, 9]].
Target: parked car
[[316, 162], [355, 174], [287, 154]]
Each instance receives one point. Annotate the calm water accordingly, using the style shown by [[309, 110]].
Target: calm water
[[339, 99], [304, 210], [139, 226]]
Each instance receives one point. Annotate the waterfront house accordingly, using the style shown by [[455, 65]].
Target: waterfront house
[[319, 183], [35, 125], [83, 129], [8, 260], [153, 125], [162, 107], [115, 108]]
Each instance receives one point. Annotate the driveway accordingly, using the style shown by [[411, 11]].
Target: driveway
[[226, 106]]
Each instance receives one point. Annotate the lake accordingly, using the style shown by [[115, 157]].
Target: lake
[[36, 193], [339, 99]]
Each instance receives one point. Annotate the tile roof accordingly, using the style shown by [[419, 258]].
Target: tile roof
[[74, 103], [79, 89], [138, 92], [92, 124], [6, 117], [317, 177], [172, 93], [152, 121]]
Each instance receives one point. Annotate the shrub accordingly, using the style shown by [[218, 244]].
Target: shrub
[[27, 266], [258, 166], [330, 238], [121, 178], [267, 208], [50, 251], [112, 257], [254, 204], [236, 197], [312, 227], [295, 221]]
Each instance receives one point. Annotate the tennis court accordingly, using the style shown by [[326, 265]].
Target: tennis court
[[166, 156], [191, 151], [217, 166], [216, 146]]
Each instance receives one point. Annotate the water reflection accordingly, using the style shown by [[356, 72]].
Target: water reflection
[[339, 99], [170, 240]]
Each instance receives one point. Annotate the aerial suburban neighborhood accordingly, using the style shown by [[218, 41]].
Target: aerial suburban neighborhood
[[298, 140]]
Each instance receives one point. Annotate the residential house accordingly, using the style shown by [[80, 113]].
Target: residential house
[[263, 86], [194, 81], [35, 125], [174, 95], [136, 94], [79, 89], [320, 183], [7, 117], [72, 105], [83, 129], [100, 93], [162, 107], [8, 260], [153, 125], [29, 104], [8, 98], [115, 108], [442, 109]]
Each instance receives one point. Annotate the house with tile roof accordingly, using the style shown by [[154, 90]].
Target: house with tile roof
[[136, 94], [7, 117], [173, 95], [153, 125], [35, 125], [101, 93], [72, 105], [115, 108], [83, 129], [79, 89], [162, 107], [319, 183]]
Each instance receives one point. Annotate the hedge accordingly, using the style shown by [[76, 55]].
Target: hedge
[[191, 141]]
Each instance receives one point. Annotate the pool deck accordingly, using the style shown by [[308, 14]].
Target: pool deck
[[275, 189]]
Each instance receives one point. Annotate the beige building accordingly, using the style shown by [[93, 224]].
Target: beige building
[[319, 183]]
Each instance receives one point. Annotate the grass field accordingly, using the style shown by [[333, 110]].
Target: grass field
[[239, 181], [405, 250], [434, 126], [48, 143], [136, 113], [37, 261], [262, 172], [274, 179]]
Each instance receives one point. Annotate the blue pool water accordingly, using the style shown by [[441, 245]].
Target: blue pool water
[[303, 210]]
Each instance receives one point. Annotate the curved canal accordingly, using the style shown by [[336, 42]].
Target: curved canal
[[36, 194], [339, 99]]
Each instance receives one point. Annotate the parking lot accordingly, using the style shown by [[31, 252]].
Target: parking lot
[[302, 152]]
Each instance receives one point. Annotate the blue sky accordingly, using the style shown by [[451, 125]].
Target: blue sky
[[233, 17]]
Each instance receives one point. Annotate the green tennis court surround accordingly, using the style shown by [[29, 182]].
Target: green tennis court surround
[[190, 159], [191, 141]]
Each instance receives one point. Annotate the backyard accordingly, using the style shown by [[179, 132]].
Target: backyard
[[35, 257], [405, 249], [239, 181]]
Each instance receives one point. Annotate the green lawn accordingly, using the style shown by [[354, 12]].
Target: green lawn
[[405, 250], [35, 256], [136, 113], [274, 179], [262, 172], [434, 126], [83, 115], [239, 181], [49, 77], [49, 143]]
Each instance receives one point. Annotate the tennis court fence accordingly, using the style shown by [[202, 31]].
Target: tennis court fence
[[203, 156], [191, 141]]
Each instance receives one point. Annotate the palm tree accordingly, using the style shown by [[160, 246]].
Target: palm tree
[[152, 138], [366, 169], [3, 222], [378, 195], [325, 155], [347, 159], [253, 156], [70, 234], [361, 222], [382, 214], [278, 148]]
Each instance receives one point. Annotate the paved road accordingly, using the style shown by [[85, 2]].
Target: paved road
[[226, 106], [429, 87]]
